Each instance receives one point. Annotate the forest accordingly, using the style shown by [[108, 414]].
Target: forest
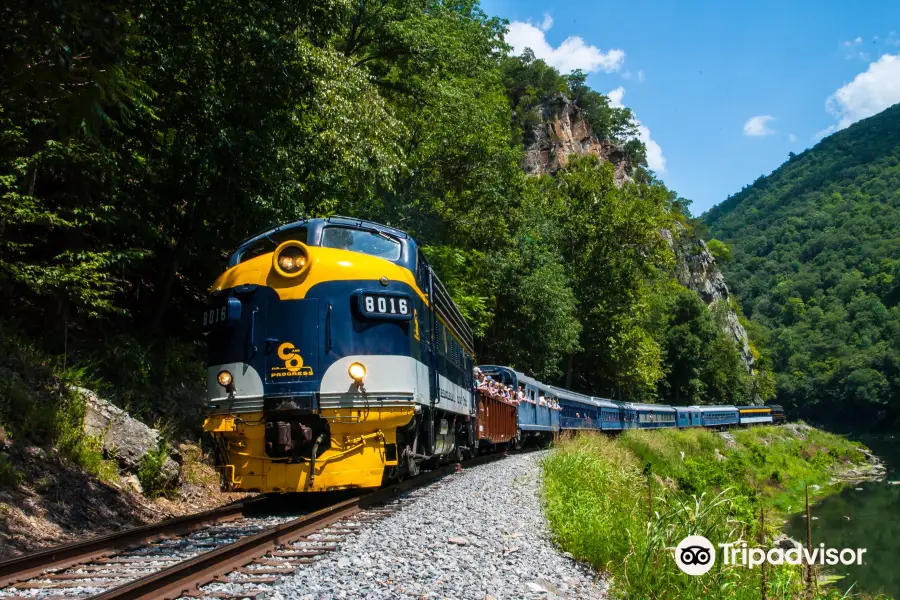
[[142, 142], [815, 262]]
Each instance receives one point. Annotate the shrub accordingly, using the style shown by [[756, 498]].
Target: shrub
[[10, 476], [151, 474]]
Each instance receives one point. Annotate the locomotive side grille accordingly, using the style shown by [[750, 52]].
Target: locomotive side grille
[[238, 405]]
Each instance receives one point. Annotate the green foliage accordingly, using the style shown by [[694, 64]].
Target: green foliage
[[141, 143], [814, 265], [151, 475], [596, 498], [468, 276], [34, 410], [720, 250], [10, 476], [610, 237], [704, 366]]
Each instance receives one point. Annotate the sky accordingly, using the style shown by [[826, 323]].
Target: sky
[[723, 91]]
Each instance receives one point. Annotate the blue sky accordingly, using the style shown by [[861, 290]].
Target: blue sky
[[723, 91]]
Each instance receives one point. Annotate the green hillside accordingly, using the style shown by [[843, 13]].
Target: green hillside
[[816, 265]]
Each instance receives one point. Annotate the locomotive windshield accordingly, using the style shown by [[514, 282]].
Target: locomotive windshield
[[374, 243], [271, 241]]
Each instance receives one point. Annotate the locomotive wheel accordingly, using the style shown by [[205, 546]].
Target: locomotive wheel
[[410, 467]]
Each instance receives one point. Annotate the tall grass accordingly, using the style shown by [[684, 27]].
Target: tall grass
[[599, 494], [35, 408]]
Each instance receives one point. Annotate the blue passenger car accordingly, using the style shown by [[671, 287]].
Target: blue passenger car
[[718, 417], [654, 416], [577, 411], [612, 414], [535, 421], [629, 414], [688, 416]]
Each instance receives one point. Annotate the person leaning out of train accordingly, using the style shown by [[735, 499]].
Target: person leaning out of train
[[520, 394]]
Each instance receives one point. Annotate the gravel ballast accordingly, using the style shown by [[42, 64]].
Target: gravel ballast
[[478, 534]]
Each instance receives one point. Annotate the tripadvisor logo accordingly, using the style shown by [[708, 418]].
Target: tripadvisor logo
[[695, 555]]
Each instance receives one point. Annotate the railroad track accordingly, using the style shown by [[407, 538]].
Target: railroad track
[[176, 558]]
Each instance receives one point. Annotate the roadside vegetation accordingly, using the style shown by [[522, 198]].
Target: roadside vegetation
[[608, 508], [37, 409]]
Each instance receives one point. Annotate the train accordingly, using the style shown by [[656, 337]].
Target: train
[[336, 359], [578, 412]]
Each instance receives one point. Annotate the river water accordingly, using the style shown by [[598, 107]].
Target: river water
[[863, 516]]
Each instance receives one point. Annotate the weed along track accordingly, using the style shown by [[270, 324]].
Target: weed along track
[[177, 558]]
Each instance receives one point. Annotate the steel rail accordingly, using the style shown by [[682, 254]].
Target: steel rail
[[26, 567], [186, 577]]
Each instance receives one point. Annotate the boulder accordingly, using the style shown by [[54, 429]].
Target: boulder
[[785, 543], [122, 437]]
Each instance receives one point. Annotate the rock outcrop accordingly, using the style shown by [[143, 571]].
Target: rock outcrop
[[122, 437], [696, 269], [564, 130]]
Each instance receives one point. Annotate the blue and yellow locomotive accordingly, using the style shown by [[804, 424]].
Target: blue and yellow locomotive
[[336, 360]]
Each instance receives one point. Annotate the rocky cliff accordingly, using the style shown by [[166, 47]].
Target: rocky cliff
[[563, 130], [696, 269]]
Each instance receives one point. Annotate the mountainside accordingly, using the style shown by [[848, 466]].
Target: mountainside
[[816, 265], [563, 129]]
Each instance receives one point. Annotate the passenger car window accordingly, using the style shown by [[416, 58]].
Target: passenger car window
[[358, 240]]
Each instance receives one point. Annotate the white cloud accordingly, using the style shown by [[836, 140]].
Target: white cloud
[[626, 75], [615, 97], [869, 93], [572, 54], [758, 125], [547, 23], [641, 76], [792, 138], [853, 51], [655, 158]]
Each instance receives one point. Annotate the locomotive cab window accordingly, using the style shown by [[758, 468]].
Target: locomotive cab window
[[270, 242], [373, 243]]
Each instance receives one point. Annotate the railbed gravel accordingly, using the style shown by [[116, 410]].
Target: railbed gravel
[[168, 553], [476, 535]]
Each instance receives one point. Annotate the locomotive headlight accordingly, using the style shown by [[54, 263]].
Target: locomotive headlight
[[291, 258], [224, 378], [357, 371]]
